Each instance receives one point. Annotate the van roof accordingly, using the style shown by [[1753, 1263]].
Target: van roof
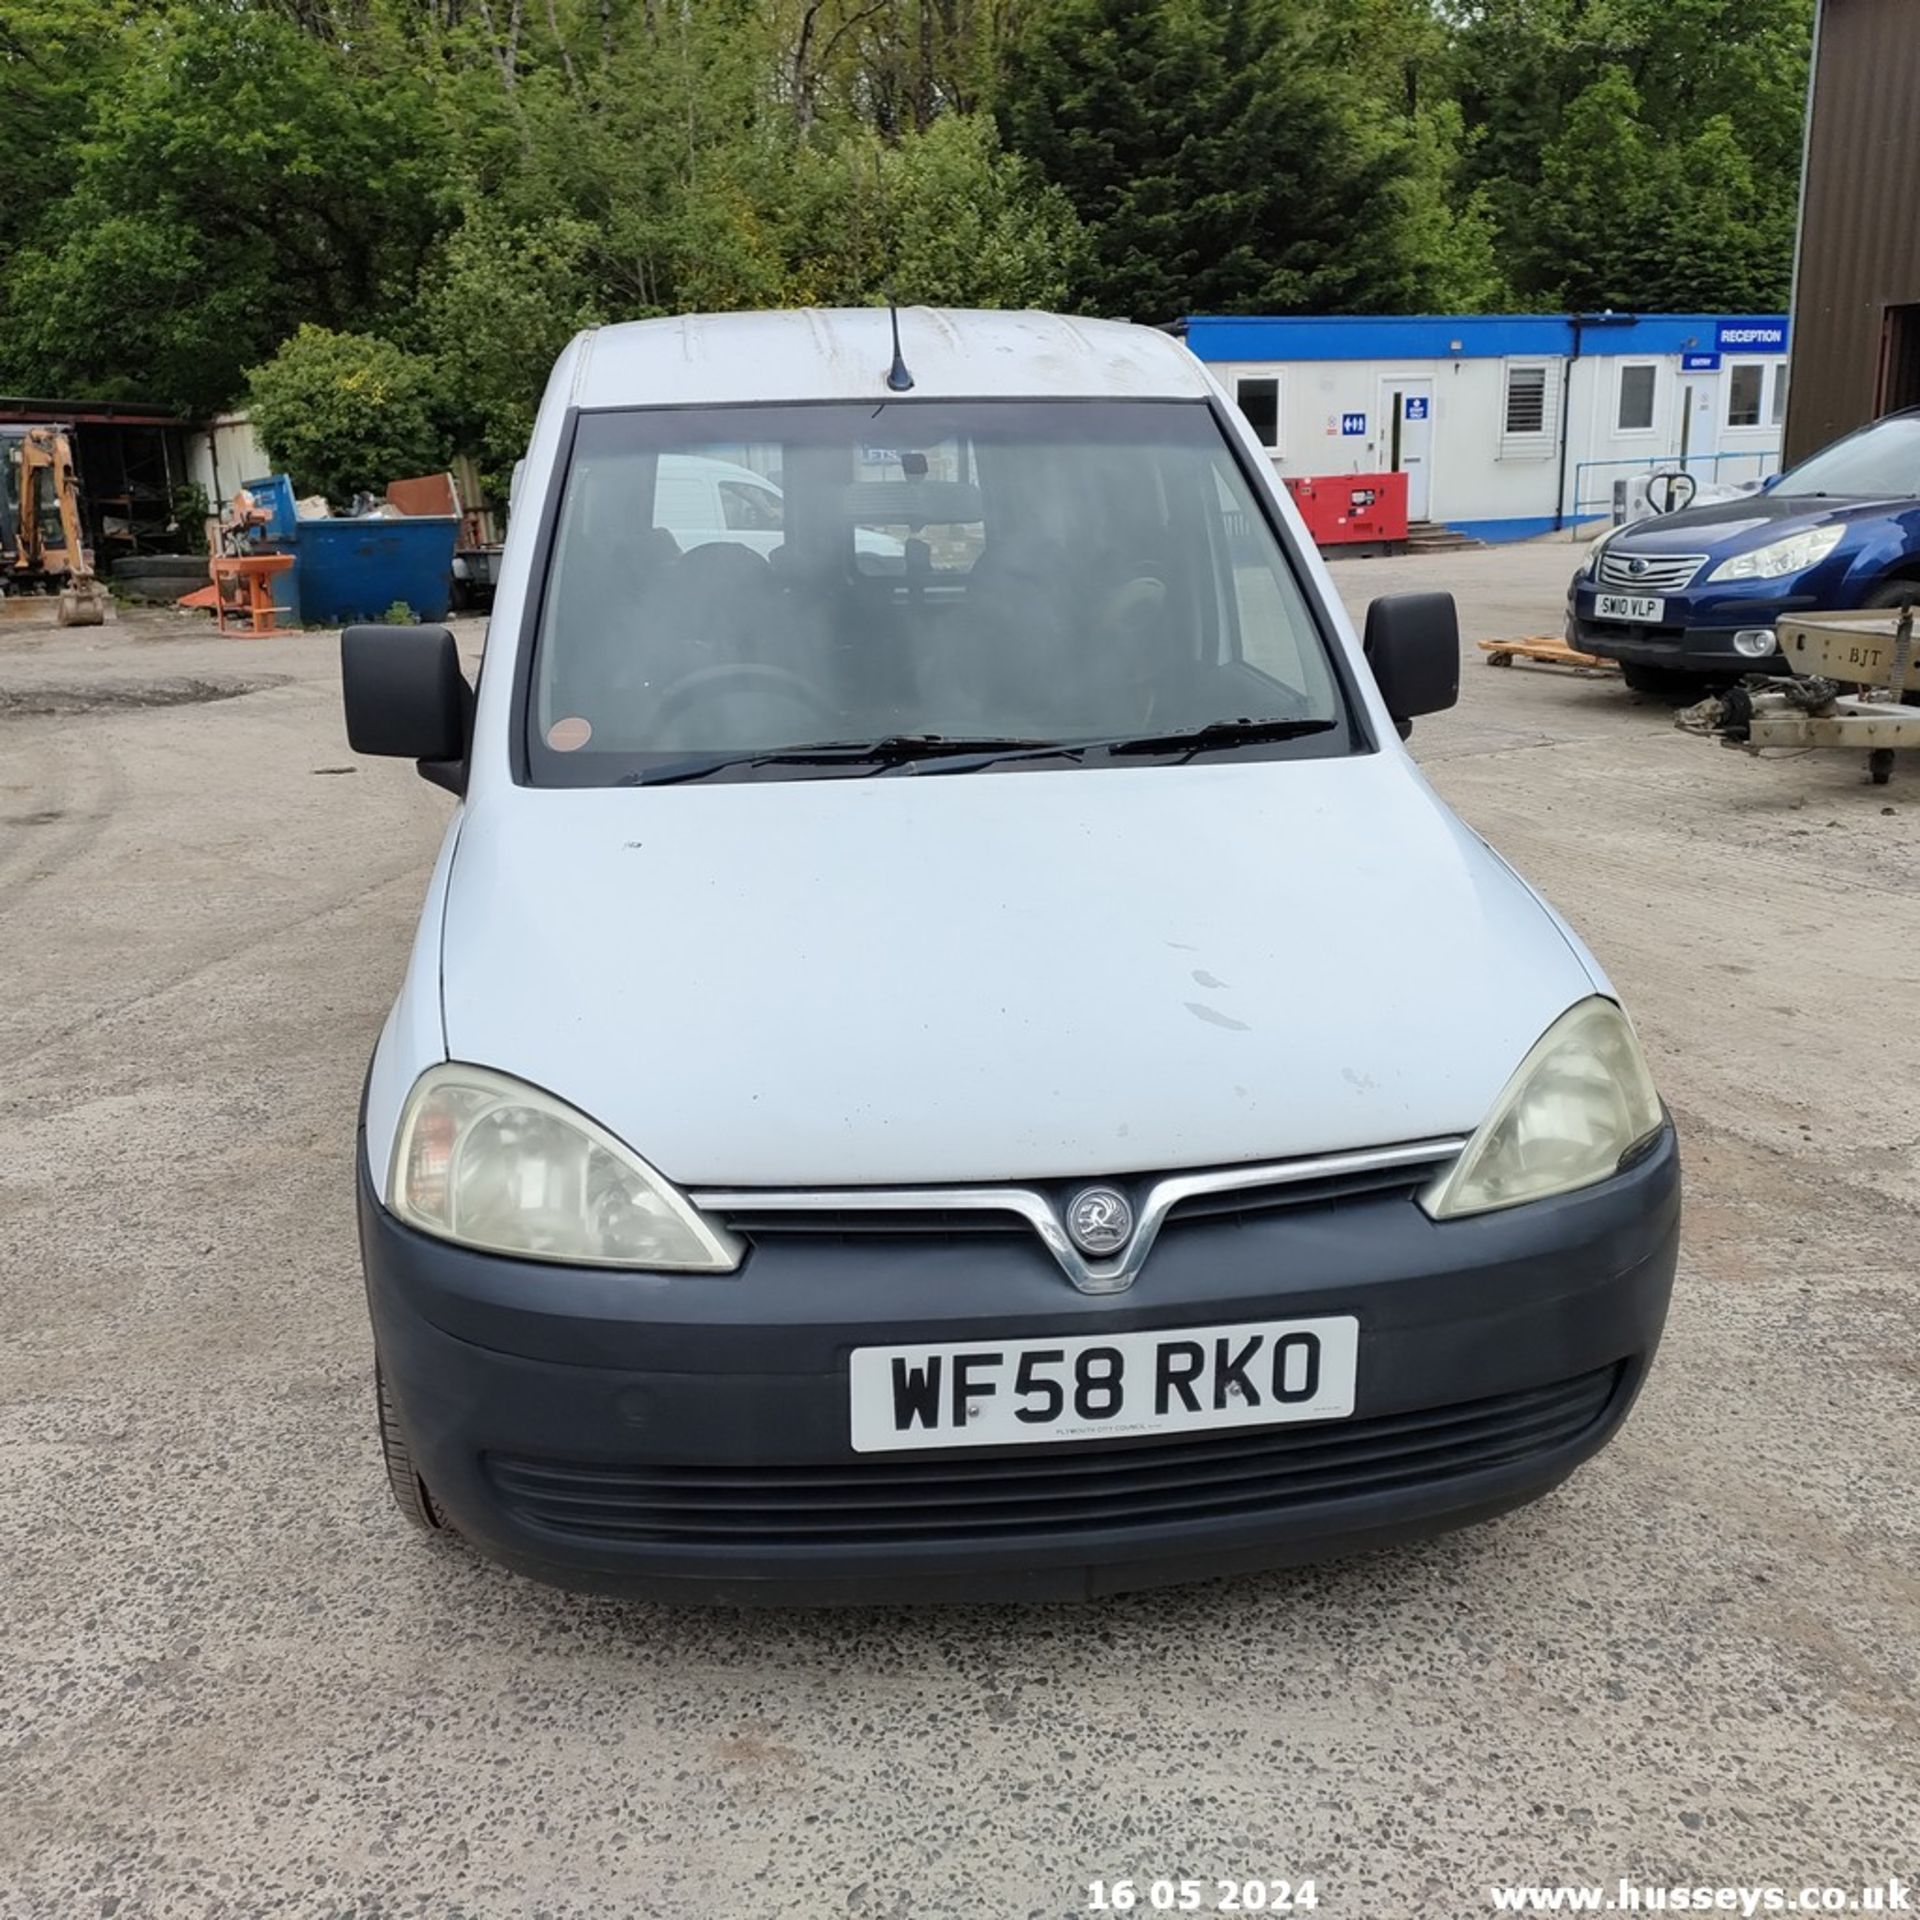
[[819, 353]]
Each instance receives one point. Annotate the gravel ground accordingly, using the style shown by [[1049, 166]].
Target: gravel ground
[[232, 1685]]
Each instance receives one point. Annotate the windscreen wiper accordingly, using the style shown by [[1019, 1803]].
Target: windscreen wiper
[[1183, 745], [951, 753], [1215, 734], [892, 750]]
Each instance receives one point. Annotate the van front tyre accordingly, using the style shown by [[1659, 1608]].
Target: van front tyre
[[410, 1492]]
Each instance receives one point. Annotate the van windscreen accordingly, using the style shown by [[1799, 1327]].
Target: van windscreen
[[834, 590]]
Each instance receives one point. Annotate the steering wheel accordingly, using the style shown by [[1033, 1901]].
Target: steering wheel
[[1132, 606], [1130, 626], [738, 675]]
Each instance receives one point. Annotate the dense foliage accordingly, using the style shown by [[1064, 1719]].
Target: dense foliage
[[347, 412], [454, 186]]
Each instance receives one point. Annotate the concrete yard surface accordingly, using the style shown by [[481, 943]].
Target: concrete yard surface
[[232, 1684]]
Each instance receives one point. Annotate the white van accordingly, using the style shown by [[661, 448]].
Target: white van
[[985, 1075], [699, 499]]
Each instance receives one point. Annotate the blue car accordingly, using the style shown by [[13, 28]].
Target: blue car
[[1693, 595]]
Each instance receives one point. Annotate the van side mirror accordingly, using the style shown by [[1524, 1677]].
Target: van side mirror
[[1413, 646], [405, 696]]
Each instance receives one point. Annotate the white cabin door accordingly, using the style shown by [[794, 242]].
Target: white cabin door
[[1406, 402], [1699, 434]]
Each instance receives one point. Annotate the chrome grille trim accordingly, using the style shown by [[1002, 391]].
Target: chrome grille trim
[[1661, 572], [740, 1206]]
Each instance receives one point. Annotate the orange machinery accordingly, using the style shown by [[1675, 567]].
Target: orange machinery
[[42, 540], [243, 591], [241, 596]]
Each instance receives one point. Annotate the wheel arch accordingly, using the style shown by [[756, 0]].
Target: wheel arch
[[1904, 572]]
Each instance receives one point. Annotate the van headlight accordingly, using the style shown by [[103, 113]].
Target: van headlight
[[1577, 1105], [491, 1162], [1794, 554]]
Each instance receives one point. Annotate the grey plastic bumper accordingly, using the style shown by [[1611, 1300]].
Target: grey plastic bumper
[[744, 1378]]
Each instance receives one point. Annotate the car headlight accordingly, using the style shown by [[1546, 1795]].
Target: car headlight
[[493, 1163], [1591, 564], [1794, 554], [1577, 1105]]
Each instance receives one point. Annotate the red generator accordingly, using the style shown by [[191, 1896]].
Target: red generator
[[1343, 508]]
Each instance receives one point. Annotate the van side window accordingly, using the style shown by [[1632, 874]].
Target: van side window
[[680, 503], [1267, 634], [748, 508]]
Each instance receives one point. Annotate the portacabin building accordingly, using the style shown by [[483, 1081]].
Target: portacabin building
[[1507, 425]]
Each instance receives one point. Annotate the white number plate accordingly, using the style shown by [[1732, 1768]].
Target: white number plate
[[1646, 609], [1001, 1393]]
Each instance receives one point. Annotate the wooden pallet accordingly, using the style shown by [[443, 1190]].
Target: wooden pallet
[[1547, 652]]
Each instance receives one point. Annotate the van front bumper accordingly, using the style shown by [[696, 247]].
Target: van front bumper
[[687, 1437]]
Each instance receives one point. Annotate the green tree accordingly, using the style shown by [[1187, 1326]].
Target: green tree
[[1718, 241], [1620, 194], [188, 182], [936, 218], [1217, 163], [1593, 213], [345, 413], [959, 222], [503, 302], [240, 176], [1442, 249], [1619, 219], [55, 57]]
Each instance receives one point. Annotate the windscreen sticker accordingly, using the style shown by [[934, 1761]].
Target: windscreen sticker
[[569, 735]]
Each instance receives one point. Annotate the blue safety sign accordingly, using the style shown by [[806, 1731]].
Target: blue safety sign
[[1353, 423], [1750, 336], [1416, 406]]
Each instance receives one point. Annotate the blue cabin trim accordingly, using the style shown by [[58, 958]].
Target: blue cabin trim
[[1476, 336]]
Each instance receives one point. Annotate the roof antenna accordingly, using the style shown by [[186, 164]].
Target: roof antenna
[[899, 380]]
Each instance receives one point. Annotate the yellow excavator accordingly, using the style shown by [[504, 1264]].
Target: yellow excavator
[[42, 541]]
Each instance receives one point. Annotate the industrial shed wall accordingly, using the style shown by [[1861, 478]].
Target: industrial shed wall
[[1856, 355]]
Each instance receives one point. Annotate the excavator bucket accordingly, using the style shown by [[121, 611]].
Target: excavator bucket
[[84, 604]]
